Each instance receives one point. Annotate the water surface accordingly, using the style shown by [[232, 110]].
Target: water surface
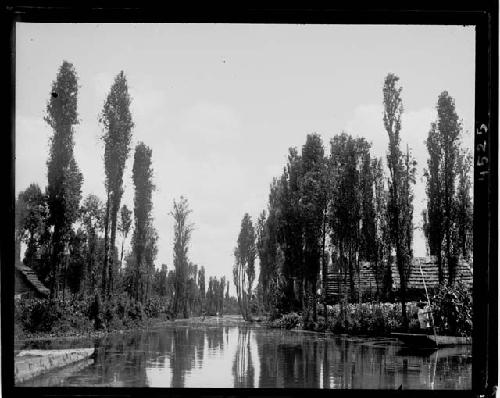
[[199, 355]]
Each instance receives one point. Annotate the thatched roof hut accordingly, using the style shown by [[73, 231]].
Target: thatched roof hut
[[28, 284], [365, 282]]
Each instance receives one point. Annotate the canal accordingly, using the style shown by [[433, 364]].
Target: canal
[[184, 354]]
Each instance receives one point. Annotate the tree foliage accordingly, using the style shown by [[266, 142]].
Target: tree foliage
[[182, 236], [144, 237], [402, 177], [312, 204], [448, 219], [244, 266], [116, 120], [64, 177], [351, 204], [91, 216]]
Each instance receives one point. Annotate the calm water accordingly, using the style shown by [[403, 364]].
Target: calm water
[[183, 355]]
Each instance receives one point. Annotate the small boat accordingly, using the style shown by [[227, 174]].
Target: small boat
[[421, 340], [428, 340]]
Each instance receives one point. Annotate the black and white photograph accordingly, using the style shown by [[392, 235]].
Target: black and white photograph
[[232, 205]]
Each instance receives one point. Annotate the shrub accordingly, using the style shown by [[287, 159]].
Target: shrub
[[136, 311], [154, 307], [51, 315], [366, 318], [287, 321], [452, 310]]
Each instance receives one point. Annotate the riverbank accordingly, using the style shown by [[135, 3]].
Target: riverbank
[[225, 320], [31, 363], [377, 320], [200, 354], [208, 321], [73, 334]]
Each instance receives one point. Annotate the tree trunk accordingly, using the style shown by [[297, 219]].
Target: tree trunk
[[351, 278], [402, 290], [440, 266], [324, 272], [56, 260], [313, 299], [112, 249], [106, 251], [121, 254]]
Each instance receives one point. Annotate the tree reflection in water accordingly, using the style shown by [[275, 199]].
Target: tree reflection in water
[[200, 356], [243, 368], [183, 356], [215, 337]]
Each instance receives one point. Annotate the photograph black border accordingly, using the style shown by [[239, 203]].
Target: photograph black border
[[482, 14]]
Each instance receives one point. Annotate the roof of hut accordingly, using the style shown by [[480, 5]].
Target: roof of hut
[[32, 279], [425, 269]]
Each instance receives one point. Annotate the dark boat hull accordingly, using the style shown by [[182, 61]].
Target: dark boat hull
[[431, 340]]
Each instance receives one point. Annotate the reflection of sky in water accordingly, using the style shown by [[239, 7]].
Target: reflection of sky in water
[[214, 371], [225, 357]]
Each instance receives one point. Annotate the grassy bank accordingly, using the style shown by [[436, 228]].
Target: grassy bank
[[372, 320], [56, 318], [451, 311], [44, 319], [366, 318]]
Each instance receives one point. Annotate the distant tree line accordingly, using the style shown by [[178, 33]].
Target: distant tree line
[[345, 208], [71, 242]]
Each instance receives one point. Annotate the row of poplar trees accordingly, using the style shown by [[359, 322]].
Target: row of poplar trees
[[63, 237], [72, 243], [345, 209]]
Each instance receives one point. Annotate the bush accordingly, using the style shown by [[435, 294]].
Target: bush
[[367, 318], [452, 310], [51, 315], [56, 316], [123, 311], [287, 321], [154, 307], [370, 319]]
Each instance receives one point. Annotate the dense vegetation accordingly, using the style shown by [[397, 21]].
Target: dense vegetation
[[340, 209], [329, 208], [71, 242]]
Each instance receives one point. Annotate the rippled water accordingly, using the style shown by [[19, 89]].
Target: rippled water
[[183, 355]]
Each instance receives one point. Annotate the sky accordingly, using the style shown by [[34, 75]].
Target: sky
[[220, 104]]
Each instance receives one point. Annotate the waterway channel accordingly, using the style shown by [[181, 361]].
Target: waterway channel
[[184, 354]]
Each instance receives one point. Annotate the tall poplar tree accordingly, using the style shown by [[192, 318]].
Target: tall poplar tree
[[312, 204], [402, 172], [348, 201], [449, 129], [448, 214], [285, 200], [117, 124], [433, 215], [244, 267], [201, 288], [382, 269], [182, 236], [64, 177], [464, 213], [142, 174], [91, 218]]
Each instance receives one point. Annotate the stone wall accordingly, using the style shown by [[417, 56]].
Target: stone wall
[[31, 363]]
